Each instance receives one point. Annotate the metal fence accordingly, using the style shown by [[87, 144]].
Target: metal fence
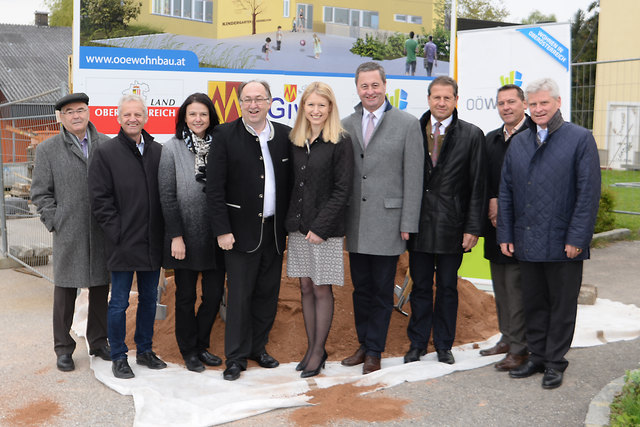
[[23, 125], [605, 97]]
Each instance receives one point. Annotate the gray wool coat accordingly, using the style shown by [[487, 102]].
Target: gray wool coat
[[387, 183], [184, 207], [60, 192]]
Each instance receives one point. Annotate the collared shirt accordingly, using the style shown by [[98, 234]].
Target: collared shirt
[[79, 142], [141, 145], [508, 135], [377, 116], [443, 127], [269, 204], [542, 134]]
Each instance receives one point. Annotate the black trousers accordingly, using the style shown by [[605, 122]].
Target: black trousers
[[425, 316], [550, 297], [64, 304], [373, 284], [193, 330], [253, 286]]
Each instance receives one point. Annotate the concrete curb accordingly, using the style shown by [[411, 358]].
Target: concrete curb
[[617, 234], [599, 412]]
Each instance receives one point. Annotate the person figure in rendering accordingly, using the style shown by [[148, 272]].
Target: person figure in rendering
[[247, 196], [548, 202], [430, 56], [410, 50], [301, 24], [123, 186], [384, 208], [322, 161], [189, 246], [505, 271], [452, 218], [59, 191], [279, 37]]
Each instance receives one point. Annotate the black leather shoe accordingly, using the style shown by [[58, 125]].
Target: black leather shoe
[[103, 352], [526, 370], [445, 356], [314, 372], [65, 363], [552, 378], [121, 369], [209, 359], [193, 363], [150, 360], [413, 355], [232, 372], [265, 360]]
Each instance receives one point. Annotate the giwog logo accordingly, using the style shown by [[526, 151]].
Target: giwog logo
[[225, 99], [285, 107]]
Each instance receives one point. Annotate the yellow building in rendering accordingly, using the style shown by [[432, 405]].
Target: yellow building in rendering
[[236, 18], [616, 124]]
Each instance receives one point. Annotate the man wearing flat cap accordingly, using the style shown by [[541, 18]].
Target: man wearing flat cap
[[60, 192]]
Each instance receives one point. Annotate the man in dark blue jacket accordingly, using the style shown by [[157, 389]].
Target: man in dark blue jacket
[[549, 195]]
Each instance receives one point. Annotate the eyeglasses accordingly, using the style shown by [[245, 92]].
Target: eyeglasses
[[250, 101], [74, 112]]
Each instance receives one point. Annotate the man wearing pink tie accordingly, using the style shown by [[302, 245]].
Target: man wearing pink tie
[[384, 209]]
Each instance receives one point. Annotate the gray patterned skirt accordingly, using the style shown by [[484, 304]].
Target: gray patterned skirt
[[323, 263]]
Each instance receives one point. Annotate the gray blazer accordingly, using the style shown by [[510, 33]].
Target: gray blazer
[[184, 207], [387, 183], [60, 192]]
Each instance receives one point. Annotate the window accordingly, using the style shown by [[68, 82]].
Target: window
[[410, 19], [353, 17], [199, 10], [285, 8]]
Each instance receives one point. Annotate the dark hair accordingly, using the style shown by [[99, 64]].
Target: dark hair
[[512, 86], [266, 86], [268, 39], [371, 66], [181, 123], [411, 34], [430, 38], [444, 81]]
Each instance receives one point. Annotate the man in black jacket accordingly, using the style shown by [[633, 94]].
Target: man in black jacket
[[505, 271], [123, 186], [451, 219], [247, 194]]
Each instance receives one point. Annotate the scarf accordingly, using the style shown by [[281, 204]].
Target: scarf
[[199, 147]]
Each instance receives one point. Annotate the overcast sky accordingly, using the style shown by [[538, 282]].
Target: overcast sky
[[21, 11]]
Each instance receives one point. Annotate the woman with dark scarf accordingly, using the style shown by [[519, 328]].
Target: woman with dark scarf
[[190, 248]]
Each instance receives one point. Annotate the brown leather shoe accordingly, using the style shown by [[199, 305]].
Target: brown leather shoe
[[499, 348], [356, 358], [371, 364], [511, 361]]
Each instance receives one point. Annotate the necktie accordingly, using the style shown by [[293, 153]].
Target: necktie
[[369, 131], [436, 149], [542, 136], [85, 148]]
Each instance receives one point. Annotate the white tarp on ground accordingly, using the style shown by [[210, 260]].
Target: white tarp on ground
[[177, 397]]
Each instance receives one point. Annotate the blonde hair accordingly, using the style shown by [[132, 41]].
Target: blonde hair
[[332, 129]]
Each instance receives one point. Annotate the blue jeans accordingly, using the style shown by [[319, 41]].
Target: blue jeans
[[145, 315]]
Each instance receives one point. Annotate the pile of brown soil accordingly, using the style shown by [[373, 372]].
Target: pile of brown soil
[[477, 321]]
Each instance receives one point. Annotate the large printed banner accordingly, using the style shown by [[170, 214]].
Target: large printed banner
[[488, 59], [165, 68]]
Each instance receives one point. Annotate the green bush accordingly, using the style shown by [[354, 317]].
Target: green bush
[[606, 220], [380, 47], [625, 408]]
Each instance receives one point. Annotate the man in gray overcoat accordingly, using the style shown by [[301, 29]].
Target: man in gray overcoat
[[385, 207], [59, 190]]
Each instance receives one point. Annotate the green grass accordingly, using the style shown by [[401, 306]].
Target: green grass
[[625, 408], [626, 198]]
